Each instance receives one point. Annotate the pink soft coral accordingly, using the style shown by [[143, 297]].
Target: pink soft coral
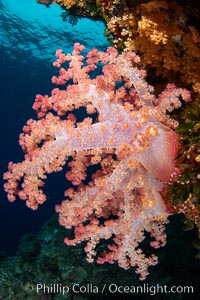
[[128, 135]]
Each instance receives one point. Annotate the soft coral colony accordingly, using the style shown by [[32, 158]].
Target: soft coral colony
[[127, 132]]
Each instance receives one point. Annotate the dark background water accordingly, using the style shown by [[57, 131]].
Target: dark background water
[[29, 36]]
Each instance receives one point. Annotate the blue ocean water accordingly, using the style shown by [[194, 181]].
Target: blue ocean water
[[30, 34]]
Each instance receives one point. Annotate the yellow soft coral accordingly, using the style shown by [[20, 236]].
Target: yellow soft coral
[[66, 3], [159, 31]]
